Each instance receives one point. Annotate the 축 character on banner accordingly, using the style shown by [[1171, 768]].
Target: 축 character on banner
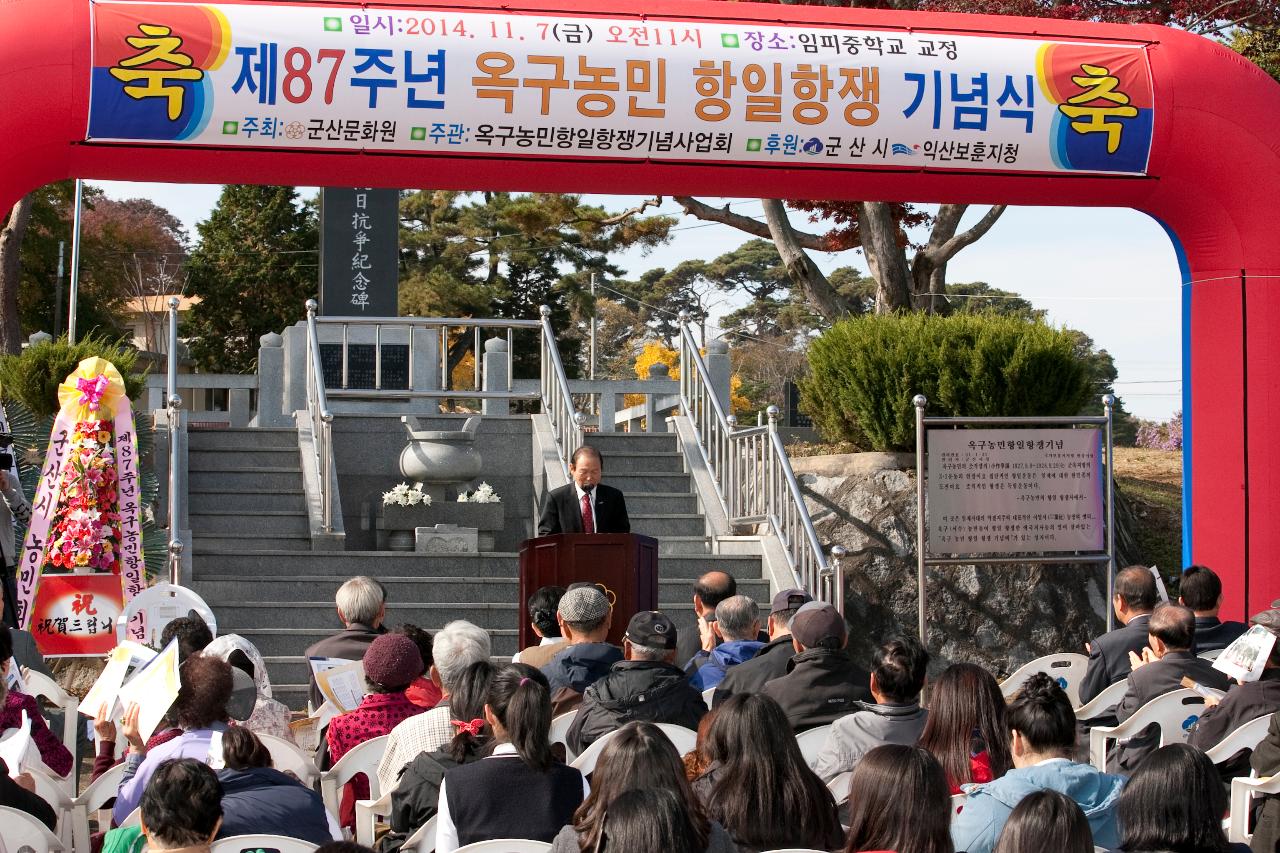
[[86, 520]]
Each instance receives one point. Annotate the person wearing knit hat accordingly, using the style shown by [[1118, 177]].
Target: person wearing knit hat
[[585, 617], [391, 663]]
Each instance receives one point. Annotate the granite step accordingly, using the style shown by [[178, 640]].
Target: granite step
[[231, 460], [628, 462], [631, 483], [259, 479], [242, 439], [247, 500], [239, 521], [610, 443], [251, 541]]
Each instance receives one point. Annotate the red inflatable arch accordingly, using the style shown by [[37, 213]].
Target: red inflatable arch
[[1211, 174]]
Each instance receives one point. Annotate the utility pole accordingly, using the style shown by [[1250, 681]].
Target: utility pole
[[57, 291], [75, 263]]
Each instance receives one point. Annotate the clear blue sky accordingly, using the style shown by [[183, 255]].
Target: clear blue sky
[[1122, 291]]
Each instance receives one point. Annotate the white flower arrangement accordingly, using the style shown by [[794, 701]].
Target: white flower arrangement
[[403, 495], [484, 494]]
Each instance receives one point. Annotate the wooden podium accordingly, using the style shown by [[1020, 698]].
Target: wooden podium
[[626, 564]]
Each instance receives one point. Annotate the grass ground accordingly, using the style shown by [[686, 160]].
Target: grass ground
[[1152, 482]]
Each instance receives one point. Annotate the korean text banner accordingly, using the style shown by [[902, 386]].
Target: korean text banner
[[620, 88], [1015, 491]]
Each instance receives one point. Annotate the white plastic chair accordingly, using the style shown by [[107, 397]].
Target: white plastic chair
[[22, 831], [560, 732], [505, 845], [586, 762], [1246, 736], [422, 841], [1103, 702], [811, 743], [133, 818], [41, 685], [708, 696], [1174, 712], [52, 790], [98, 792], [684, 740], [839, 787], [361, 759], [160, 605], [1067, 668], [253, 843], [1243, 790], [287, 756]]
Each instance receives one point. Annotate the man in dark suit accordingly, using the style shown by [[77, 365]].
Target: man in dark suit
[[586, 505], [1201, 590], [1135, 597], [1159, 669]]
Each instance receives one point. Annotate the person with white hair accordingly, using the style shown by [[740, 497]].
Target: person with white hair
[[362, 607], [269, 716], [455, 647]]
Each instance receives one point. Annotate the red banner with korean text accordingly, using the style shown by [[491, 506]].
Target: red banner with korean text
[[76, 615]]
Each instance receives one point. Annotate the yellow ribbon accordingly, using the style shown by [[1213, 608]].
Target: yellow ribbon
[[83, 398]]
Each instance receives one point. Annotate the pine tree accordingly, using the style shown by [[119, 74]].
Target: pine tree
[[253, 270]]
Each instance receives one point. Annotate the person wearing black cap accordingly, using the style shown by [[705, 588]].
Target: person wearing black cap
[[821, 683], [585, 505], [646, 685], [771, 661]]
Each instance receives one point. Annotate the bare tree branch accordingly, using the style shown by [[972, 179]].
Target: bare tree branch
[[953, 246], [617, 218], [754, 227]]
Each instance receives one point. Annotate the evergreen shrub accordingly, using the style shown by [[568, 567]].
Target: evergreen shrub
[[864, 371]]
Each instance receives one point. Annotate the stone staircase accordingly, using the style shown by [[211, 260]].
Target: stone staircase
[[251, 561]]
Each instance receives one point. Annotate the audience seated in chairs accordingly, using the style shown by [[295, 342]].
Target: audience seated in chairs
[[650, 820], [1042, 747], [758, 786], [19, 793], [645, 685], [967, 729], [200, 711], [1134, 598], [181, 810], [519, 790], [897, 677], [269, 717], [191, 632], [542, 606], [12, 703], [391, 663], [822, 683], [774, 658], [260, 800], [423, 692], [1266, 762], [737, 625], [1174, 801], [1160, 670], [898, 801], [639, 757], [585, 617], [1243, 702], [1046, 821], [696, 761], [1201, 590], [455, 647], [708, 591], [417, 794], [362, 605]]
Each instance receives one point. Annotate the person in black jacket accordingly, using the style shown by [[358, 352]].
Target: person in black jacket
[[19, 793], [646, 685], [257, 799], [585, 505], [417, 795], [771, 661], [1201, 590], [822, 682], [1135, 597]]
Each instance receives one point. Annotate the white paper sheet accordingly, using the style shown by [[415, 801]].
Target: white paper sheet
[[1245, 658], [343, 686], [153, 688]]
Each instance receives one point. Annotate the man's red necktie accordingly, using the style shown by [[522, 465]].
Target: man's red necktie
[[588, 521]]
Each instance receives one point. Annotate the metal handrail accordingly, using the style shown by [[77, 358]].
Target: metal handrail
[[173, 418], [753, 476], [557, 401], [320, 416]]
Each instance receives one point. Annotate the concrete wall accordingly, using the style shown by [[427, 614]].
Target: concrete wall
[[367, 453]]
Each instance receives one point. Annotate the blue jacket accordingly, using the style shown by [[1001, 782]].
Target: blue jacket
[[580, 666], [712, 667], [978, 825], [262, 800]]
